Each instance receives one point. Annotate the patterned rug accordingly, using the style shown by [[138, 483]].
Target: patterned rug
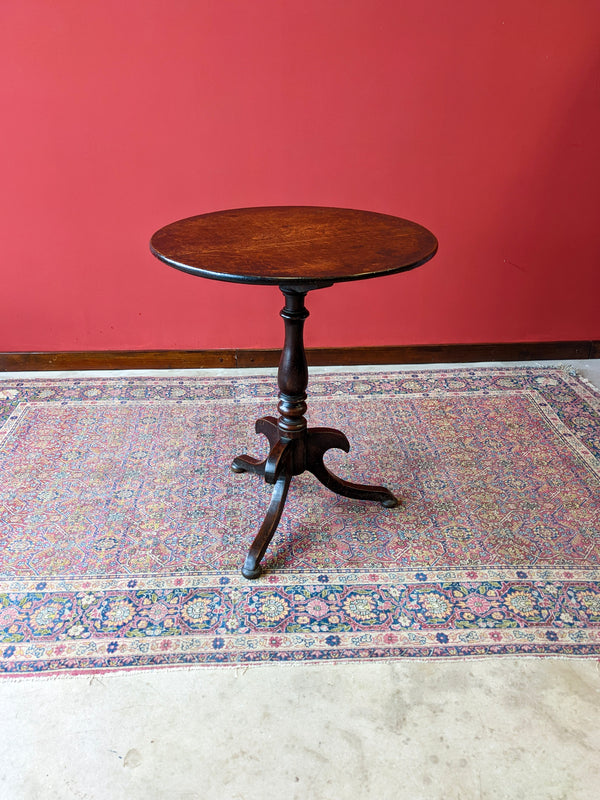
[[123, 530]]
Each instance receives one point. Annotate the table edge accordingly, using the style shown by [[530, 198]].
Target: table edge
[[261, 280]]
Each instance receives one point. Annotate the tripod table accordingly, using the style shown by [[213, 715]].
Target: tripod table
[[298, 248]]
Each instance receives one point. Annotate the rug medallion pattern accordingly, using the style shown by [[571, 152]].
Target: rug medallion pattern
[[123, 530]]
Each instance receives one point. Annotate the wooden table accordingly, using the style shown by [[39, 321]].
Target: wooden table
[[298, 248]]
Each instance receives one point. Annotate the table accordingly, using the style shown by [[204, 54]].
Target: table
[[298, 249]]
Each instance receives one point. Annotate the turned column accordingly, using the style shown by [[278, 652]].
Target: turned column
[[292, 376]]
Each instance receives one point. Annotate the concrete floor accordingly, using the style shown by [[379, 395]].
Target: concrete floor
[[488, 729]]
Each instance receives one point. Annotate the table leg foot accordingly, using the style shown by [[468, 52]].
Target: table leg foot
[[319, 440], [251, 568], [248, 464]]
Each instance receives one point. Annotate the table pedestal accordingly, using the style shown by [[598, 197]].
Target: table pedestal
[[296, 448]]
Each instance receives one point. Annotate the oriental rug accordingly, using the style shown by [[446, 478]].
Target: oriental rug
[[123, 530]]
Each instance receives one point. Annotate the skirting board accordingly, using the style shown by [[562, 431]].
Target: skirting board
[[317, 356]]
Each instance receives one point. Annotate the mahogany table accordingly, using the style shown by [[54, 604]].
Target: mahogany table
[[298, 248]]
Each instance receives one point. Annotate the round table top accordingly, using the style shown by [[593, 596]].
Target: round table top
[[293, 245]]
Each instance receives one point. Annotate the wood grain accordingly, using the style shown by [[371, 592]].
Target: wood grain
[[293, 245]]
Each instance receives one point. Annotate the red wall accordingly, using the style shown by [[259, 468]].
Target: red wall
[[480, 120]]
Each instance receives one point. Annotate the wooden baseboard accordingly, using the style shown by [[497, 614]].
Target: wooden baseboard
[[317, 356], [117, 359]]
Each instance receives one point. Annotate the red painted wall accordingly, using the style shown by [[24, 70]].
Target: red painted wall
[[480, 120]]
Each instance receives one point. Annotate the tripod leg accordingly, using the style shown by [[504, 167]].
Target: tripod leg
[[319, 440], [268, 427], [251, 568]]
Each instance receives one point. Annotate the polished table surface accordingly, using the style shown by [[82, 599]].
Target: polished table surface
[[298, 248], [293, 245]]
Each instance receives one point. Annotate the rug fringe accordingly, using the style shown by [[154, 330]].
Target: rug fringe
[[96, 676]]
